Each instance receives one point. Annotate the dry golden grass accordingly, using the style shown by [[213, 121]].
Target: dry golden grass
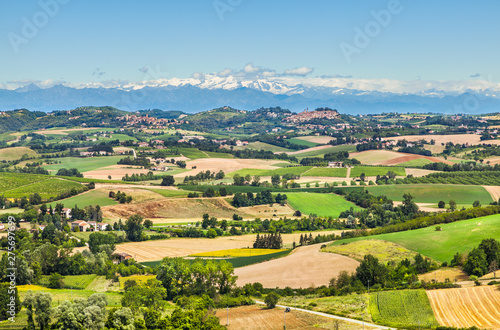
[[442, 274]]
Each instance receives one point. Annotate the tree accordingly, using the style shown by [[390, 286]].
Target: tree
[[56, 281], [441, 204], [96, 240], [453, 205], [271, 299], [371, 271], [121, 319], [476, 263], [409, 206], [148, 224], [476, 204], [40, 305], [362, 176], [168, 180], [491, 248], [133, 228], [8, 307], [275, 180]]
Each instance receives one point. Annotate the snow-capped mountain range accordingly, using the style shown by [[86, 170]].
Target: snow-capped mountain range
[[203, 92]]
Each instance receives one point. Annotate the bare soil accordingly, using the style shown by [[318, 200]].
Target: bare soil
[[304, 267], [177, 208], [227, 165], [259, 317], [494, 192]]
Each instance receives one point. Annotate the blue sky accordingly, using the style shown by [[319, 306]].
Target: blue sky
[[111, 40]]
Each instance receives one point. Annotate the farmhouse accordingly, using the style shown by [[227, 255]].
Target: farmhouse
[[120, 257], [335, 164], [2, 226], [80, 224], [66, 213]]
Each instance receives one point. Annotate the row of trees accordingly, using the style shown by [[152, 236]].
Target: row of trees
[[271, 241], [264, 197]]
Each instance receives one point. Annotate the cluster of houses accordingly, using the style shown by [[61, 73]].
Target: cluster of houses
[[88, 225], [150, 122], [307, 115]]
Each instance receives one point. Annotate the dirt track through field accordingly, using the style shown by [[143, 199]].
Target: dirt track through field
[[304, 267], [467, 307]]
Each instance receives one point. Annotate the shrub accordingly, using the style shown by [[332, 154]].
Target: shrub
[[271, 299]]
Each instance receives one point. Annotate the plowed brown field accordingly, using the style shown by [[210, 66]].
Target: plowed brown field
[[467, 307]]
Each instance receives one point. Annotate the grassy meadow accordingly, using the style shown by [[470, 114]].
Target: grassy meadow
[[320, 204], [376, 170], [92, 197], [461, 236], [428, 193], [233, 253], [84, 164], [328, 172]]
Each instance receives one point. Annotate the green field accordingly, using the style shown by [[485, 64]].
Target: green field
[[79, 282], [301, 142], [212, 154], [461, 236], [321, 152], [93, 197], [376, 170], [262, 146], [16, 153], [238, 261], [114, 298], [428, 193], [14, 180], [84, 164], [325, 171], [320, 204], [416, 162], [121, 137], [192, 153], [403, 308], [234, 253], [170, 193], [296, 170]]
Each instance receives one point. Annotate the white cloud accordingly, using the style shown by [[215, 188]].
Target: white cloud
[[302, 71], [250, 68], [225, 73]]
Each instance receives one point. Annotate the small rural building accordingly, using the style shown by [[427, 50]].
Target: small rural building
[[120, 257], [101, 226], [82, 225], [2, 226], [66, 213], [335, 164]]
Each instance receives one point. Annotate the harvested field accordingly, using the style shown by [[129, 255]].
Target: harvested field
[[227, 165], [183, 247], [304, 267], [417, 172], [467, 307], [387, 157], [267, 211], [257, 317], [66, 131], [471, 139], [440, 275], [116, 172], [494, 192], [178, 208]]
